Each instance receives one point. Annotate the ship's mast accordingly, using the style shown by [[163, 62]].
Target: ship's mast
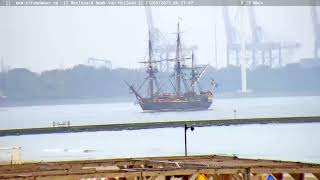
[[150, 70], [178, 64], [193, 74]]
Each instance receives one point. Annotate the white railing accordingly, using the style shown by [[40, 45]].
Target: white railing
[[61, 124], [10, 155]]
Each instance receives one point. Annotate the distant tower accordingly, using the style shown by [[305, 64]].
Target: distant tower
[[215, 46], [2, 65], [3, 78], [316, 30]]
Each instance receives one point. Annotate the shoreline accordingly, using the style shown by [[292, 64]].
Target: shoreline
[[73, 101]]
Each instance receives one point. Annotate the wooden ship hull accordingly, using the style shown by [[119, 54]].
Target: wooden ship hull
[[197, 102], [187, 99]]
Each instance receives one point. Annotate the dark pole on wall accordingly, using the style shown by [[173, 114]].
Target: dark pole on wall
[[185, 138]]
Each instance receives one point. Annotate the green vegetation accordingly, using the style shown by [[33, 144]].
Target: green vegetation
[[88, 82]]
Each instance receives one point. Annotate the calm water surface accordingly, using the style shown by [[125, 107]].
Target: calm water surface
[[296, 142], [127, 112]]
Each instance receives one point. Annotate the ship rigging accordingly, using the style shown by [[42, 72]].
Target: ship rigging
[[179, 100]]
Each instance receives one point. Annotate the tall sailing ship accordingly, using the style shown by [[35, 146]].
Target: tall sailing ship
[[190, 99]]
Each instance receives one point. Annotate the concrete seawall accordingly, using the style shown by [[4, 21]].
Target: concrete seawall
[[153, 125]]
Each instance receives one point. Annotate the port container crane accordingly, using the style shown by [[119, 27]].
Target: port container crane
[[316, 30], [260, 44], [232, 36]]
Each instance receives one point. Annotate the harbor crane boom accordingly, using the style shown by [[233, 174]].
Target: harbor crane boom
[[232, 35], [260, 44], [316, 30]]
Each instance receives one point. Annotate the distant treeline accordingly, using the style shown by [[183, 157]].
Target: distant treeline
[[88, 82]]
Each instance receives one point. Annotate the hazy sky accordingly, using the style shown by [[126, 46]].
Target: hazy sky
[[41, 38]]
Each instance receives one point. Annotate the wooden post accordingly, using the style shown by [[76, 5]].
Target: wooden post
[[246, 175], [225, 177], [256, 177], [185, 177], [317, 175], [216, 177], [160, 177], [299, 176], [237, 177], [185, 140], [278, 176], [194, 176]]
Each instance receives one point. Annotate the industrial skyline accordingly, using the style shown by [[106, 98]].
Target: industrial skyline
[[41, 38]]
